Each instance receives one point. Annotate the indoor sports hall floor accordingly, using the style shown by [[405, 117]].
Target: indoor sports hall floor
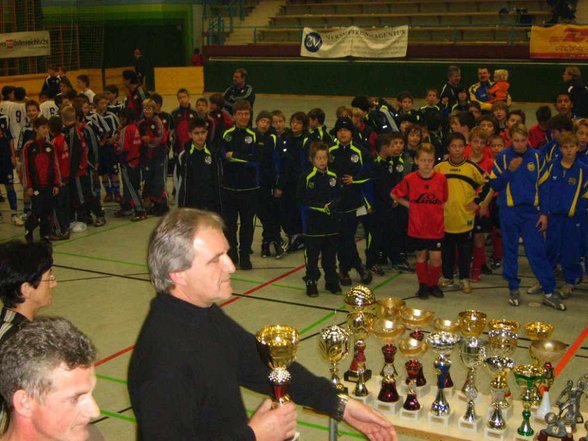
[[104, 289]]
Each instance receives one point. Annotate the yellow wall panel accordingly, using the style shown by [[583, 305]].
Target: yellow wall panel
[[169, 79]]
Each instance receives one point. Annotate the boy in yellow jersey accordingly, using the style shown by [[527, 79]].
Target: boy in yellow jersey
[[464, 179]]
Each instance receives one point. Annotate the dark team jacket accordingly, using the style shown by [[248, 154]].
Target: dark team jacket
[[181, 124], [197, 177], [135, 100], [293, 160], [321, 134], [319, 192], [78, 150], [168, 126], [234, 93], [154, 149], [267, 143], [51, 86], [387, 173], [241, 172], [40, 166], [352, 160], [563, 190]]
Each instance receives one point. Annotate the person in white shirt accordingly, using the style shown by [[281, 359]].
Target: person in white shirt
[[83, 85]]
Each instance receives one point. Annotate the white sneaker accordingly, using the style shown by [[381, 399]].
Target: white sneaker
[[448, 285], [78, 227], [17, 220], [466, 286]]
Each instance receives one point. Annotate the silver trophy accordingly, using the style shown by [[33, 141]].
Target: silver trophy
[[472, 352], [442, 343]]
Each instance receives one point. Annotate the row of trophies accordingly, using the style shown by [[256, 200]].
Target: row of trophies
[[389, 318]]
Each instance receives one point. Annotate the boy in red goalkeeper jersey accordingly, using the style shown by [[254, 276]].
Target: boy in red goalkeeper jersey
[[424, 192]]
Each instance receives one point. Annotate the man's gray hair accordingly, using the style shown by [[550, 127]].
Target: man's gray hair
[[171, 245], [29, 357]]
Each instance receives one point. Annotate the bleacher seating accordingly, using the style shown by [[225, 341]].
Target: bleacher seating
[[439, 21]]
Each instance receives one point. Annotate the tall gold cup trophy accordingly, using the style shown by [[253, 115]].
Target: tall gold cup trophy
[[277, 346], [359, 320]]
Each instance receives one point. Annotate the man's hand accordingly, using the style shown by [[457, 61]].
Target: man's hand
[[368, 421], [278, 193], [55, 191], [347, 179], [277, 424], [542, 223], [484, 209], [515, 163]]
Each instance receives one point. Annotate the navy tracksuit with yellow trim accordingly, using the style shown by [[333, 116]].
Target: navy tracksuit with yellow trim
[[563, 196], [240, 186], [318, 192], [354, 161], [518, 200]]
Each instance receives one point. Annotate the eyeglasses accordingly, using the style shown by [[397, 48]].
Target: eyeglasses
[[52, 278]]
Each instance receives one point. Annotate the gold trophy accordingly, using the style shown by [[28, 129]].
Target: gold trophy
[[277, 346], [412, 349], [506, 324], [389, 307], [545, 353], [334, 347], [360, 297], [538, 330], [388, 332], [416, 319], [472, 323]]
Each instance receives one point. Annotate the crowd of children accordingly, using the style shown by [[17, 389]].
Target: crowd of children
[[443, 181]]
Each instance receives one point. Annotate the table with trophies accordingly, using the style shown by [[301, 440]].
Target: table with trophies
[[437, 408]]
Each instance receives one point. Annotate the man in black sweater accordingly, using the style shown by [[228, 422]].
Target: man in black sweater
[[191, 359]]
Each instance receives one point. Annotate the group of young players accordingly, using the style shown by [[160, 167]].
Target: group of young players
[[444, 180]]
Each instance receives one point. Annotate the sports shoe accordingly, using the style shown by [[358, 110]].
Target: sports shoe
[[311, 289], [423, 291], [435, 291], [281, 249], [16, 220], [365, 275], [554, 301], [265, 250], [333, 288], [295, 243], [566, 290], [486, 270], [100, 221], [139, 216], [375, 268], [535, 289], [466, 286], [78, 227], [245, 262], [514, 298], [123, 213], [447, 285], [496, 263], [344, 278], [403, 266]]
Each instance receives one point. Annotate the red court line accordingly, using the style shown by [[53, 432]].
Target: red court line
[[222, 305], [571, 351], [263, 285], [115, 355]]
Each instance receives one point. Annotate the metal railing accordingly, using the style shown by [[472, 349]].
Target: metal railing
[[215, 13], [456, 30]]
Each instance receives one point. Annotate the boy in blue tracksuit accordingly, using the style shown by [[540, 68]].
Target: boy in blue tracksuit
[[516, 175], [563, 191], [351, 163], [318, 192]]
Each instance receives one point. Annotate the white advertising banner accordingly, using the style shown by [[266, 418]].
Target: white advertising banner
[[355, 42], [25, 44]]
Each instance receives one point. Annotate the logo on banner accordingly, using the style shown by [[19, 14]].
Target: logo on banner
[[313, 42]]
